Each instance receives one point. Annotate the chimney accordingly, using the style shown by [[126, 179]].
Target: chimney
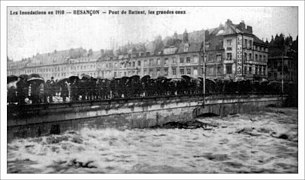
[[242, 25], [229, 22], [249, 29]]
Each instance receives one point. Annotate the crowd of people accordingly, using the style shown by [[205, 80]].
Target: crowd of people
[[34, 90]]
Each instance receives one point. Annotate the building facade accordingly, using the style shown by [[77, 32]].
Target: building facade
[[59, 64], [230, 51], [237, 53], [172, 62], [282, 68]]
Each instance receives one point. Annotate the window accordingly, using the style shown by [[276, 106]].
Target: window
[[174, 60], [195, 71], [139, 63], [246, 43], [158, 72], [133, 64], [165, 71], [145, 62], [250, 44], [174, 71], [181, 71], [218, 58], [250, 56], [260, 57], [256, 57], [181, 60], [158, 61], [229, 56], [151, 62], [229, 68], [260, 70], [151, 71], [245, 56], [188, 71], [165, 61], [250, 70], [196, 59], [188, 59], [145, 72], [229, 42]]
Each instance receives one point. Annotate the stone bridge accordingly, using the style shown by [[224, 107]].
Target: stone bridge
[[43, 119]]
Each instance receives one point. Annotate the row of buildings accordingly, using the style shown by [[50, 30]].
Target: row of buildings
[[230, 51]]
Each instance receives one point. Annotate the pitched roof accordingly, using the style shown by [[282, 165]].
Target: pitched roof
[[257, 40], [193, 47]]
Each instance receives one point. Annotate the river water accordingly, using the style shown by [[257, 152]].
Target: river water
[[262, 142]]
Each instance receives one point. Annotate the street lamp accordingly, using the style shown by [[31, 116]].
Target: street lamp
[[202, 53], [282, 74]]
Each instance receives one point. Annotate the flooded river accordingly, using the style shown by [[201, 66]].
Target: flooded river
[[262, 142]]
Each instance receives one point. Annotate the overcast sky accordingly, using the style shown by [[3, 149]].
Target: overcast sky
[[32, 34]]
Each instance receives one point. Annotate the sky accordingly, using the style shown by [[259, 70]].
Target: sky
[[32, 34]]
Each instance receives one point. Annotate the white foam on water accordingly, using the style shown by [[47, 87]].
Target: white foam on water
[[264, 142]]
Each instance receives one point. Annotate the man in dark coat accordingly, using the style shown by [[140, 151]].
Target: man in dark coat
[[22, 88], [64, 91], [74, 91], [52, 89]]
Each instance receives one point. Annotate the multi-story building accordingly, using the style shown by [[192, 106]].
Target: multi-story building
[[171, 62], [245, 54], [231, 51], [59, 64], [282, 68], [234, 52], [17, 67], [283, 59]]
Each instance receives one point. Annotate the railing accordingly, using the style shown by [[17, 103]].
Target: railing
[[89, 98]]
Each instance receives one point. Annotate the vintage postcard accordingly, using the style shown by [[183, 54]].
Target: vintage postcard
[[150, 90]]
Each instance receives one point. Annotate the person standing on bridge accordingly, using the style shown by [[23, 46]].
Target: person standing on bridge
[[64, 91], [52, 89], [47, 93], [22, 91]]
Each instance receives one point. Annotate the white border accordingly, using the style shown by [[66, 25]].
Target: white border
[[3, 62]]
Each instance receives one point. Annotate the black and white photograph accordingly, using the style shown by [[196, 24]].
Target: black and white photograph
[[157, 88]]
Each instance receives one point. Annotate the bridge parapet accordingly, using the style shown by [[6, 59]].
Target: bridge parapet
[[32, 120]]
